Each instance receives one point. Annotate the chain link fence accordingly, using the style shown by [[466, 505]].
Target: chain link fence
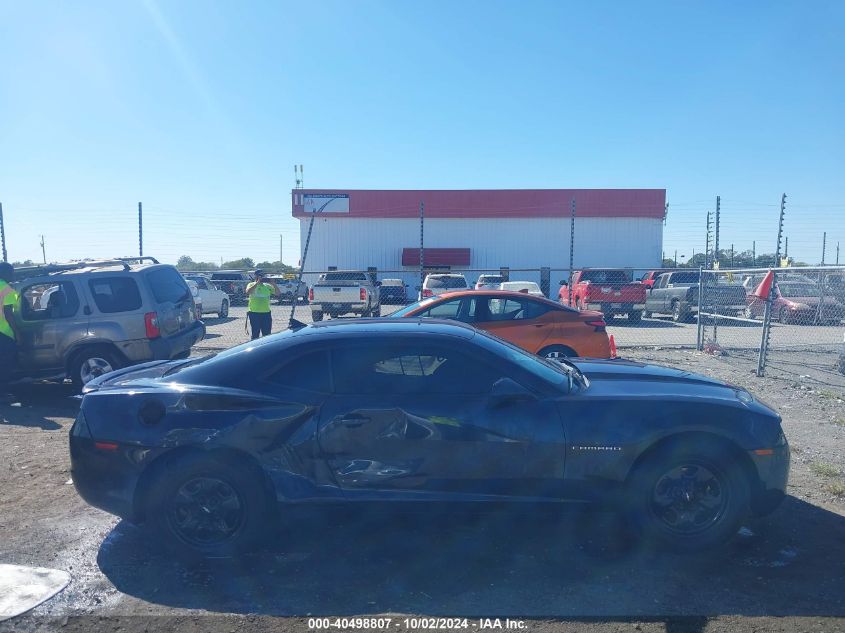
[[722, 312]]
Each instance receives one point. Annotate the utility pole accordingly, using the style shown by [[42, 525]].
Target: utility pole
[[280, 249], [571, 249], [824, 245], [676, 258], [422, 247], [43, 251], [732, 255], [785, 251], [140, 230], [4, 249], [707, 243], [3, 234], [716, 249], [754, 254]]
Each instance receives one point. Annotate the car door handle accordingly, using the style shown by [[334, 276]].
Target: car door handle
[[540, 324], [353, 421]]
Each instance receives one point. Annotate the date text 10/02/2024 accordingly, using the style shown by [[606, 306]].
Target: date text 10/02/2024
[[435, 624]]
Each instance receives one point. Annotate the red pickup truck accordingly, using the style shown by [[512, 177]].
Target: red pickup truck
[[609, 290]]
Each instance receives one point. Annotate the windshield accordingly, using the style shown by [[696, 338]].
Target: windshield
[[549, 371], [491, 279], [408, 309], [684, 278], [446, 282], [343, 277]]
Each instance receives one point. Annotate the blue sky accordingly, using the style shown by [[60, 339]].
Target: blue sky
[[200, 109]]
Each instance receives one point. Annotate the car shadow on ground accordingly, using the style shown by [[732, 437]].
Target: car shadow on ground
[[36, 402], [525, 564]]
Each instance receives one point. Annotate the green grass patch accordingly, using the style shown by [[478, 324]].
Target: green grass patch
[[836, 488], [839, 421], [824, 469]]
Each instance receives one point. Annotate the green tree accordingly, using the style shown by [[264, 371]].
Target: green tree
[[245, 263]]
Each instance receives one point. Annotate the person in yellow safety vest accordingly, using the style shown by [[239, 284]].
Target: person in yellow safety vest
[[258, 311], [8, 329]]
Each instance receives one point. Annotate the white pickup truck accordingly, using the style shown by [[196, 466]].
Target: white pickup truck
[[344, 292]]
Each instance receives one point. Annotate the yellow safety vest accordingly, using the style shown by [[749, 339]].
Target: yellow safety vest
[[8, 297]]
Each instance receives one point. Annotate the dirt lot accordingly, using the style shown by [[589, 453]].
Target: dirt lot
[[570, 572]]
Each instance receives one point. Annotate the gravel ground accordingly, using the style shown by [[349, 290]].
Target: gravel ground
[[569, 572]]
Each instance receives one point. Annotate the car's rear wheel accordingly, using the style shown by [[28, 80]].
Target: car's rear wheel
[[784, 316], [678, 315], [635, 316], [91, 363], [748, 313], [204, 508], [557, 351], [316, 316], [224, 309], [690, 499]]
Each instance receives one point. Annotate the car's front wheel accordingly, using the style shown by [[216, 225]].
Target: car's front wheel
[[224, 309], [690, 499], [201, 507], [316, 316]]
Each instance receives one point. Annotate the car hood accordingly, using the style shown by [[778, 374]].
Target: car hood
[[624, 379]]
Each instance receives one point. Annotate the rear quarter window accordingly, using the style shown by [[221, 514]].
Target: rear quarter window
[[115, 294]]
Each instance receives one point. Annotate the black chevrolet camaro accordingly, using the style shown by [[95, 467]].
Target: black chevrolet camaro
[[207, 452]]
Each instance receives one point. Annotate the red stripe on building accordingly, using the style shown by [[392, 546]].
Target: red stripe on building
[[494, 203]]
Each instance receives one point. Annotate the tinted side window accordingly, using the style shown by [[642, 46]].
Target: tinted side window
[[409, 369], [42, 302], [445, 310], [309, 372], [168, 285], [115, 294]]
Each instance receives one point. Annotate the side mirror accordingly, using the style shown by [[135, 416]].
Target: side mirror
[[563, 282], [506, 390]]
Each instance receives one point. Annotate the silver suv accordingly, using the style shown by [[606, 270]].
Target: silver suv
[[84, 319]]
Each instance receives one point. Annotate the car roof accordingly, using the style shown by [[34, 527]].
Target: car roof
[[444, 275], [392, 326], [470, 292], [108, 270]]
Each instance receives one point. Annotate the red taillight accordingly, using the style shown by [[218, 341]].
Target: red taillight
[[151, 325], [363, 294], [599, 324], [105, 446], [427, 293], [310, 294]]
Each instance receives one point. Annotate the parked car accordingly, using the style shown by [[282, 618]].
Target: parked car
[[528, 287], [102, 315], [797, 302], [676, 293], [233, 283], [393, 291], [535, 324], [290, 290], [437, 283], [344, 292], [213, 299], [842, 357], [396, 410], [489, 282], [195, 293], [650, 277], [608, 290]]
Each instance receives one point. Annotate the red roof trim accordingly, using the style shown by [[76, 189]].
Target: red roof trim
[[436, 256], [493, 203]]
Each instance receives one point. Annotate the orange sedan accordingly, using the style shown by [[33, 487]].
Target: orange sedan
[[535, 324]]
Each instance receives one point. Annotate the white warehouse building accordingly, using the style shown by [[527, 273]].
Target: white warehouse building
[[473, 231]]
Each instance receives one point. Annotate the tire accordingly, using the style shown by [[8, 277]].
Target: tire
[[316, 316], [646, 314], [200, 507], [557, 351], [635, 316], [91, 362], [784, 317], [720, 492], [748, 313], [376, 312], [224, 309]]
